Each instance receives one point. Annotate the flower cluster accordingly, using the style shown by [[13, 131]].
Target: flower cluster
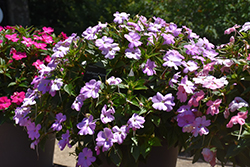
[[137, 83], [24, 51]]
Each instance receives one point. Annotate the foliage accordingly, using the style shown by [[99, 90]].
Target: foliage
[[22, 51]]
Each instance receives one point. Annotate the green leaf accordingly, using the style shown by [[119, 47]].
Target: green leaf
[[154, 141], [217, 143], [135, 151], [242, 109], [156, 120], [12, 84], [23, 85], [69, 89], [116, 156]]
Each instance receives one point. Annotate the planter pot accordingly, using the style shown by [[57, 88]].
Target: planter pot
[[15, 149], [163, 156]]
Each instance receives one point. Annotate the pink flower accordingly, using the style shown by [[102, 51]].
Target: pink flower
[[181, 94], [18, 97], [27, 41], [213, 106], [200, 126], [209, 156], [40, 45], [47, 59], [12, 37], [17, 55], [47, 38], [37, 64], [48, 30], [4, 102], [194, 100], [239, 119]]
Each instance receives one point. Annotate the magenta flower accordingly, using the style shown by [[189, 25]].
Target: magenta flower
[[213, 106], [106, 115], [37, 64], [133, 53], [48, 30], [12, 37], [40, 45], [85, 158], [18, 55], [4, 102], [57, 124], [136, 122], [27, 41], [164, 103], [238, 119], [237, 103], [87, 126], [91, 89], [18, 97], [199, 126], [149, 68], [194, 100], [114, 81], [181, 94], [64, 141], [105, 139], [173, 59], [133, 38], [120, 133], [47, 38], [209, 156]]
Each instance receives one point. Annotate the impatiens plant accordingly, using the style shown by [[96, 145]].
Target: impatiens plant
[[23, 51], [121, 89]]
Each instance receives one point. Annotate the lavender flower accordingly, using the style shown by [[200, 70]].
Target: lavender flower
[[120, 133], [164, 103], [168, 39], [77, 104], [133, 53], [149, 68], [106, 115], [64, 141], [237, 103], [136, 122], [173, 59], [55, 86], [85, 158], [133, 38], [114, 81], [57, 124], [199, 126], [87, 126], [91, 89], [120, 17], [105, 139], [33, 130]]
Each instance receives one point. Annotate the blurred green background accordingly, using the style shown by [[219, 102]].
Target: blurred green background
[[207, 18]]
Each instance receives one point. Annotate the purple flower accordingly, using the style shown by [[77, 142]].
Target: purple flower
[[174, 79], [154, 27], [173, 59], [64, 141], [168, 39], [245, 27], [20, 115], [185, 116], [91, 89], [30, 97], [213, 106], [189, 66], [173, 29], [33, 130], [133, 38], [152, 38], [106, 115], [149, 68], [85, 158], [133, 53], [114, 81], [55, 86], [199, 126], [110, 52], [187, 85], [120, 133], [104, 43], [136, 122], [57, 124], [120, 17], [44, 85], [77, 104], [164, 103], [89, 33], [192, 49], [87, 126], [181, 94], [105, 139], [237, 103], [134, 26]]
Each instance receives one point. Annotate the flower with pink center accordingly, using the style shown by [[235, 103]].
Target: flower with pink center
[[213, 106], [37, 64], [164, 103], [4, 102], [173, 59], [149, 68], [18, 97], [200, 126], [194, 100], [12, 37], [181, 94], [209, 156], [238, 119]]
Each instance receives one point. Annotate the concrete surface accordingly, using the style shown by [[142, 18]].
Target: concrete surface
[[63, 159]]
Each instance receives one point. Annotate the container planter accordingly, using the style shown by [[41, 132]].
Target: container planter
[[16, 151]]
